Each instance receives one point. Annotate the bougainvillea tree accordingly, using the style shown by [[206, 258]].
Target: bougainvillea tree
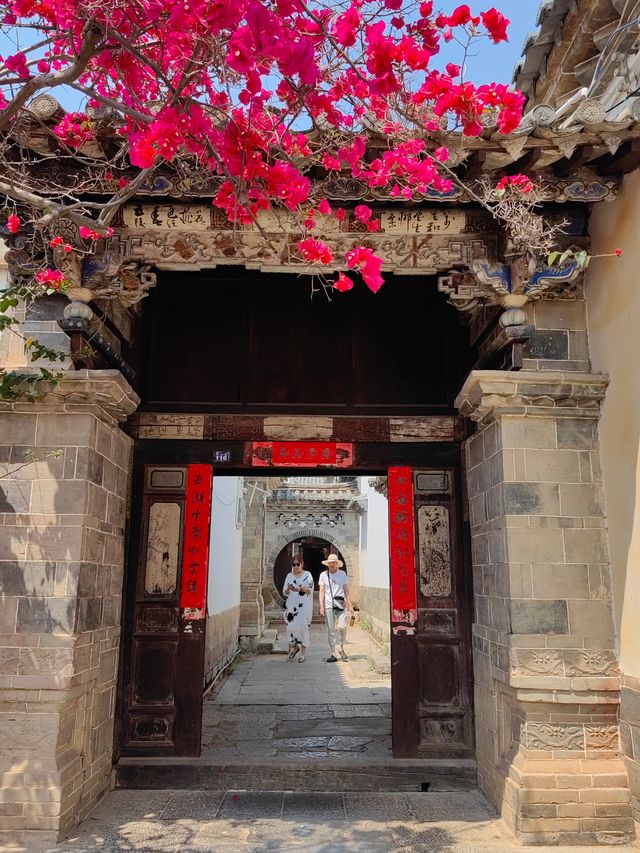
[[258, 93]]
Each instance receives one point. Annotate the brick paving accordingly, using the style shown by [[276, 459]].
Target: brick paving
[[286, 822]]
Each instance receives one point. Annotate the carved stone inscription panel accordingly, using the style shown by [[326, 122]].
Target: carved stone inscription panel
[[434, 551]]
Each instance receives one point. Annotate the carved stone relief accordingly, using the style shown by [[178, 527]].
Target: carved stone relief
[[435, 551], [545, 736]]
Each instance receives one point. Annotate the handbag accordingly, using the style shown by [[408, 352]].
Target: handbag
[[337, 601]]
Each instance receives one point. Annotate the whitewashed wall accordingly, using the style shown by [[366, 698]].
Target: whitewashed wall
[[374, 537], [225, 549]]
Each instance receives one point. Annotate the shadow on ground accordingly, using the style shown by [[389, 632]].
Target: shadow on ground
[[284, 822]]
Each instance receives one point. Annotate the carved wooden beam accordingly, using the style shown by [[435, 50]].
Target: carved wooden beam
[[568, 165]]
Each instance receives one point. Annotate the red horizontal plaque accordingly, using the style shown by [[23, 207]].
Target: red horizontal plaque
[[402, 552], [195, 553], [301, 454]]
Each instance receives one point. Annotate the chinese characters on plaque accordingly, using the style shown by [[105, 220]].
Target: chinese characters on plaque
[[404, 596], [201, 217], [301, 454], [422, 222], [193, 592], [169, 217]]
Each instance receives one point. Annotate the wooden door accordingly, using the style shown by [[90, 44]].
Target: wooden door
[[431, 607], [164, 666]]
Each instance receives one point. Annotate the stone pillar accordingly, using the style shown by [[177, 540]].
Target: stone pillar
[[63, 486], [252, 567], [546, 677]]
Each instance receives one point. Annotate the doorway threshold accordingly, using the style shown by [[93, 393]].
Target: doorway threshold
[[387, 774]]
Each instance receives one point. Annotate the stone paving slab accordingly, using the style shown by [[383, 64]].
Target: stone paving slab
[[272, 679], [317, 731], [284, 822]]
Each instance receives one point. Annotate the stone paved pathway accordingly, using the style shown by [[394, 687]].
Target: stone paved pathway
[[277, 822], [274, 680], [270, 707]]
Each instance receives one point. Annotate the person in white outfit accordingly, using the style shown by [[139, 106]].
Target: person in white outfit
[[335, 604], [298, 609]]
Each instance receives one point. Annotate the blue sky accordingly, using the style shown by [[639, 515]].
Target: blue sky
[[495, 63]]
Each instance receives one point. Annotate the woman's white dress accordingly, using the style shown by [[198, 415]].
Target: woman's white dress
[[298, 609]]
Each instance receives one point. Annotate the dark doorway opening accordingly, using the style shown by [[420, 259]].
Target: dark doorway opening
[[313, 550]]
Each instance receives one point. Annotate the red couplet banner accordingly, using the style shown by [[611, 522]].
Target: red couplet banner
[[307, 454], [195, 557], [404, 596]]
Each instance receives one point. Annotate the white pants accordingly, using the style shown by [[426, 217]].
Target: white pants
[[336, 624]]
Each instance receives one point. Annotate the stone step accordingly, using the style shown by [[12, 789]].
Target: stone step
[[351, 775], [267, 641]]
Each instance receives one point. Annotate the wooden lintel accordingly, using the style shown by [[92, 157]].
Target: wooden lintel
[[626, 159], [564, 168]]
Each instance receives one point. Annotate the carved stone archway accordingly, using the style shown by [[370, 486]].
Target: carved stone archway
[[349, 552]]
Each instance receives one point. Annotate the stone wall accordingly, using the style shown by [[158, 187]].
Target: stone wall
[[375, 613], [613, 299], [546, 674], [63, 489], [221, 641], [253, 561], [560, 340]]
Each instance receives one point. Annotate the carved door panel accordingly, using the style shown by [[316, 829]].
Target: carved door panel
[[430, 646], [162, 703]]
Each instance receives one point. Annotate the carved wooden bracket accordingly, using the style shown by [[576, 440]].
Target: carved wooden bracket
[[509, 286]]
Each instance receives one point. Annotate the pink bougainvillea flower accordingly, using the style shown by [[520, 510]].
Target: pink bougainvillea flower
[[496, 25], [343, 283], [90, 234], [315, 251], [74, 130], [324, 207], [518, 182], [363, 259], [362, 213], [50, 279], [17, 64], [618, 252], [13, 223]]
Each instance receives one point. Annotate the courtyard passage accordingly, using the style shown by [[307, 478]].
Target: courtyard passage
[[271, 707]]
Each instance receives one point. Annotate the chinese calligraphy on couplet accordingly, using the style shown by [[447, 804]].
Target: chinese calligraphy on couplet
[[193, 592], [404, 596]]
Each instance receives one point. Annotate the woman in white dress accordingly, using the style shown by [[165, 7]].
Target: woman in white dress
[[298, 609]]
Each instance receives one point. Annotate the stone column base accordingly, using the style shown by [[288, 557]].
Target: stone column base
[[547, 681], [570, 801]]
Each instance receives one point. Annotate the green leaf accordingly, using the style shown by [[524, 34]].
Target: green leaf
[[552, 257], [582, 259], [7, 302]]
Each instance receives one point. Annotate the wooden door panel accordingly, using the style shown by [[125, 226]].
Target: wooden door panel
[[443, 635], [154, 667], [162, 693], [430, 643], [150, 730]]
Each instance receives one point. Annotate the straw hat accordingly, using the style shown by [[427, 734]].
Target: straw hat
[[333, 558]]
